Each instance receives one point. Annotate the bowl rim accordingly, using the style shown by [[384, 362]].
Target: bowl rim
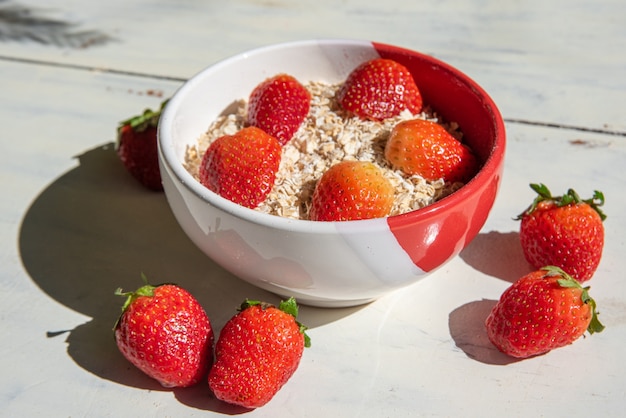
[[490, 166]]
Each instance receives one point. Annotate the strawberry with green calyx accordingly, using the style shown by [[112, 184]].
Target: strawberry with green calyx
[[541, 311], [137, 147], [166, 334], [379, 89], [257, 352], [565, 231], [352, 190]]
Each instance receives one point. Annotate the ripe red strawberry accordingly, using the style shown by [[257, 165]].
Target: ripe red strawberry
[[258, 350], [351, 190], [380, 89], [278, 106], [242, 167], [424, 147], [137, 147], [563, 231], [164, 332], [544, 310]]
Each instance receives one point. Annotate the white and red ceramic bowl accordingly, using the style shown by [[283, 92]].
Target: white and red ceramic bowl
[[329, 263]]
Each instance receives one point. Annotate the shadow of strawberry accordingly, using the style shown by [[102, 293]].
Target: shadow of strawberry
[[497, 254], [467, 328]]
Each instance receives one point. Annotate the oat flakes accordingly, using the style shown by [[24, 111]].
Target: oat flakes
[[328, 135]]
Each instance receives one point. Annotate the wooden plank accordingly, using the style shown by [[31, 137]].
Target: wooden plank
[[536, 63]]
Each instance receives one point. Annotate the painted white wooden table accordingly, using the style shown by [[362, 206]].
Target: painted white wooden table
[[74, 226]]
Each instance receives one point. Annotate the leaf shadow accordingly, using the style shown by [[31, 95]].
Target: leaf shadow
[[29, 24]]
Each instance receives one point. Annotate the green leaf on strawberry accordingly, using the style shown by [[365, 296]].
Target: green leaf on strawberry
[[571, 197], [568, 281], [289, 306], [149, 118]]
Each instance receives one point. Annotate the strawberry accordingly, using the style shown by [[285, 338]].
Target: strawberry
[[541, 311], [164, 332], [379, 89], [278, 106], [258, 350], [351, 190], [137, 147], [425, 148], [563, 231], [242, 167]]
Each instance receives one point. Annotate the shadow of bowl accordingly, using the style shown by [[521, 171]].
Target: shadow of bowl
[[95, 229]]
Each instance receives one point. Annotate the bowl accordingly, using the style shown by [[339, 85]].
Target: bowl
[[329, 264]]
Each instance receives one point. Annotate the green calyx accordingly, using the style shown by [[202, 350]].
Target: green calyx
[[570, 198], [569, 282], [148, 119], [289, 306], [145, 290]]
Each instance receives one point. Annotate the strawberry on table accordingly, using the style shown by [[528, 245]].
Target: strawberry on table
[[257, 352], [423, 147], [563, 231], [544, 310], [279, 105], [379, 89], [137, 147], [351, 190], [165, 332], [242, 167]]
